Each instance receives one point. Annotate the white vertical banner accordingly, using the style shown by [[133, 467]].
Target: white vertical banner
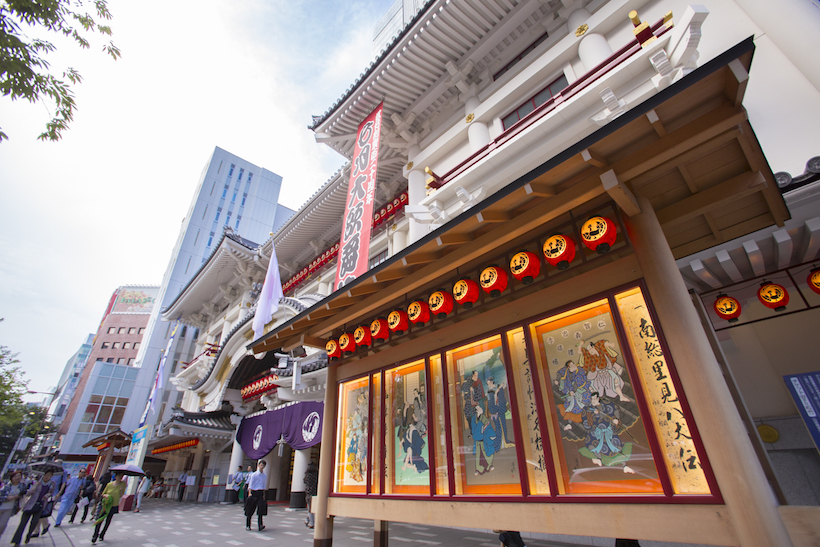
[[269, 296], [159, 382]]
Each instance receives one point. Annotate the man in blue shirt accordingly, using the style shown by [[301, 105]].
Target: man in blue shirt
[[70, 491], [257, 484]]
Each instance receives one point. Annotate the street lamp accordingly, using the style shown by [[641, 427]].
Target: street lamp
[[17, 442]]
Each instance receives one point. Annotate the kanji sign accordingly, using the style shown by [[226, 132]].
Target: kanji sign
[[355, 243]]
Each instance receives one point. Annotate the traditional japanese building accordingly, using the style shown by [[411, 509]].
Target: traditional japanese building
[[528, 352]]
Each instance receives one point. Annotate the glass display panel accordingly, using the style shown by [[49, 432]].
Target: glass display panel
[[603, 445], [537, 477], [437, 427], [352, 430], [407, 455], [484, 454], [679, 452], [375, 447]]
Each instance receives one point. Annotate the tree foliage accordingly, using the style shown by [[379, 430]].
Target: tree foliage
[[24, 71], [12, 389]]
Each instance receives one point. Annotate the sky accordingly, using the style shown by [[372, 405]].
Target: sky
[[103, 207]]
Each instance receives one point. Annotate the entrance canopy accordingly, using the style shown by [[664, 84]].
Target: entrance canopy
[[298, 424]]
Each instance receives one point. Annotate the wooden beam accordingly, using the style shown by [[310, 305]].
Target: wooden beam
[[343, 302], [811, 235], [419, 258], [704, 274], [454, 239], [736, 79], [365, 288], [622, 195], [710, 220], [393, 274], [312, 341], [711, 198], [728, 265], [754, 155], [540, 189], [657, 125], [593, 158], [755, 257], [783, 247], [738, 230], [493, 216], [696, 132], [323, 311]]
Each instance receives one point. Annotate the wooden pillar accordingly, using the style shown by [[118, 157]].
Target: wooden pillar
[[380, 535], [749, 500], [323, 531]]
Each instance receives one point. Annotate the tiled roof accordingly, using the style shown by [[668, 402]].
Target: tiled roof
[[787, 183], [219, 419]]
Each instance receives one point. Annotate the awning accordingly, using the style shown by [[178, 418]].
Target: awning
[[116, 438], [300, 425]]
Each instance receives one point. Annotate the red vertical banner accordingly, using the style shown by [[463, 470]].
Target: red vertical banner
[[354, 247]]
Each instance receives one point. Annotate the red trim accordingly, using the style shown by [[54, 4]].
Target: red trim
[[523, 472]]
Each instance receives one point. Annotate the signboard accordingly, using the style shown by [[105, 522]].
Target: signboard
[[136, 454], [354, 246], [805, 388], [135, 300]]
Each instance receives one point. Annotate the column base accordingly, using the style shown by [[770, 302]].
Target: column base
[[380, 538], [297, 500], [323, 542]]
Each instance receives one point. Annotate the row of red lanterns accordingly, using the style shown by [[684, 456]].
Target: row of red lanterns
[[598, 233], [316, 264], [390, 209], [258, 387], [177, 446], [770, 294]]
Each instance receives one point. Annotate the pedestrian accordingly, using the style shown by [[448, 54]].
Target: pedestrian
[[10, 496], [256, 497], [311, 483], [42, 525], [110, 503], [32, 506], [69, 495], [511, 538], [86, 497], [237, 483], [142, 489], [183, 478], [248, 474]]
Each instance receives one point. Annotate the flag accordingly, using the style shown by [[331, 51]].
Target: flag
[[269, 296], [159, 382]]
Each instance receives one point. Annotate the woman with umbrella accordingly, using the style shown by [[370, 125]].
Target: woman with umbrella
[[32, 506], [110, 499]]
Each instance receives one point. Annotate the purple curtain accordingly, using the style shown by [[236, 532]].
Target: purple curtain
[[300, 423]]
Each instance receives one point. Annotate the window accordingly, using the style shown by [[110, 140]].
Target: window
[[105, 345], [534, 102], [112, 330], [238, 219], [132, 330], [196, 334], [212, 189], [520, 56], [250, 176], [219, 169], [126, 345], [241, 172], [196, 239], [121, 361], [184, 331], [188, 265], [378, 259], [99, 359], [109, 360], [230, 173], [122, 330], [131, 362], [137, 344], [115, 345], [142, 329]]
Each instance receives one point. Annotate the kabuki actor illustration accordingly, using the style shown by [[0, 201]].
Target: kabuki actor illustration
[[481, 415], [406, 389], [353, 415], [603, 436]]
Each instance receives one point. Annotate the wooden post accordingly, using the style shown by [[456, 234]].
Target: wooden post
[[380, 533], [746, 492], [323, 531]]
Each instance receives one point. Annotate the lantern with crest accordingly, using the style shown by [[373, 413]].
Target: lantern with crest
[[524, 266], [773, 296], [362, 336], [465, 292], [379, 329], [493, 280], [346, 343], [559, 250], [418, 312], [599, 233], [727, 308], [814, 280], [441, 303], [332, 349], [397, 321]]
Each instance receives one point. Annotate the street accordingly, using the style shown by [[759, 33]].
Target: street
[[167, 523]]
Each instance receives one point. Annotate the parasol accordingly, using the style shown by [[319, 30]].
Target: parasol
[[128, 469], [44, 467]]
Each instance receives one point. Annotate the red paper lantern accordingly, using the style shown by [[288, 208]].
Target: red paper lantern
[[397, 321], [525, 266], [346, 343], [362, 337], [441, 303], [599, 233], [814, 280], [379, 329], [727, 308], [418, 312], [559, 250], [773, 296], [493, 280], [403, 197], [465, 291]]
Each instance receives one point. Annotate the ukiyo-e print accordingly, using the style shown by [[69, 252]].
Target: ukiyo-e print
[[484, 455], [604, 446], [408, 464], [351, 470]]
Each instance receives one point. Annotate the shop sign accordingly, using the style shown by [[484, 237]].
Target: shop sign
[[805, 389]]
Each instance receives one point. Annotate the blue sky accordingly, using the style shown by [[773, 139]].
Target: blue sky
[[103, 207]]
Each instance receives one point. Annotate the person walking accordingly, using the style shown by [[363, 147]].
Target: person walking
[[69, 496], [183, 478], [311, 483], [110, 503], [142, 489], [32, 506], [256, 501], [248, 474], [237, 484], [86, 497], [10, 496]]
